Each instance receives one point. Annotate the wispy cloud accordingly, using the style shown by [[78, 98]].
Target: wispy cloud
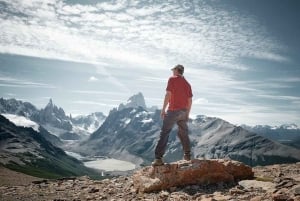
[[148, 34], [12, 82], [134, 43], [295, 99], [94, 103]]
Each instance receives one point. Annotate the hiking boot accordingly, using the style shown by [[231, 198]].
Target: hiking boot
[[157, 162], [187, 157]]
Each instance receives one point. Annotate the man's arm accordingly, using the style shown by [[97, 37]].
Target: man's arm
[[189, 106], [166, 102]]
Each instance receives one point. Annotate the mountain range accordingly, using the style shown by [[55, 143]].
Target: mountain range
[[130, 132], [288, 134], [54, 119]]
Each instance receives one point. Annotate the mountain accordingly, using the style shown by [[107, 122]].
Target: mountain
[[13, 106], [26, 150], [89, 122], [137, 101], [25, 122], [288, 134], [134, 101], [132, 133], [125, 133], [54, 116], [54, 119]]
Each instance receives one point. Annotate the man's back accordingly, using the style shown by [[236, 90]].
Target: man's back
[[180, 92]]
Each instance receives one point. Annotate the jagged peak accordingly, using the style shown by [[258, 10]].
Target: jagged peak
[[134, 101], [50, 103]]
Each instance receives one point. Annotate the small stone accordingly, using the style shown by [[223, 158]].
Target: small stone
[[279, 174], [94, 190], [296, 190], [277, 180], [173, 189], [164, 194], [280, 197], [103, 197], [257, 198], [236, 191]]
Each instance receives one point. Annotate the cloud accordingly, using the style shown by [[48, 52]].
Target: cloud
[[270, 56], [113, 6], [200, 101], [133, 44], [152, 79], [295, 99], [94, 103], [20, 83], [93, 79], [147, 34]]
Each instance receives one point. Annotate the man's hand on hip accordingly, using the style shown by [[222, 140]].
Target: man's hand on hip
[[162, 114]]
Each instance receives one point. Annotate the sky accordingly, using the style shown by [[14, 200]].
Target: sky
[[242, 58]]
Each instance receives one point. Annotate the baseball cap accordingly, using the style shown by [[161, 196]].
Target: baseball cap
[[179, 67]]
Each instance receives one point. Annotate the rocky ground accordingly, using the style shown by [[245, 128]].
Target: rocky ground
[[276, 182]]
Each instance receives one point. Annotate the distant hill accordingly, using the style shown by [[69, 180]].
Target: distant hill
[[288, 134]]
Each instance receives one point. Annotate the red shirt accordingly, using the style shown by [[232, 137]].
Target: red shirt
[[181, 91]]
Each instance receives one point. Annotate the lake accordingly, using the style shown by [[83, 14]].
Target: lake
[[106, 164], [110, 164]]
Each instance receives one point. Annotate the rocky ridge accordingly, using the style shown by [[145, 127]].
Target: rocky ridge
[[274, 182]]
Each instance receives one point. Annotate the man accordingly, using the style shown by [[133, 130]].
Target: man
[[178, 98]]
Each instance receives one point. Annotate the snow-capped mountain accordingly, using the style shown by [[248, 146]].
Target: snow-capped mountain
[[132, 133], [134, 101], [54, 116], [125, 134], [137, 101], [27, 150], [54, 119], [13, 106], [288, 134], [90, 122]]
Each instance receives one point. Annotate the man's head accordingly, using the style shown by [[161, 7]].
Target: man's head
[[179, 68]]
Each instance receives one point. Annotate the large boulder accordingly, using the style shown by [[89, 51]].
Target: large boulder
[[196, 171]]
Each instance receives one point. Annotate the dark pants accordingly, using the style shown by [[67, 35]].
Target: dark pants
[[172, 117]]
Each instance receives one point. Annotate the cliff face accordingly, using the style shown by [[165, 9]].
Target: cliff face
[[275, 182]]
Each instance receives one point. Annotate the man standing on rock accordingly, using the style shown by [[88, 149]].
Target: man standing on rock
[[179, 99]]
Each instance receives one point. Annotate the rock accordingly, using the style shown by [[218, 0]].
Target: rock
[[184, 173], [250, 184], [236, 191], [281, 197], [257, 198], [296, 190], [122, 188], [287, 182]]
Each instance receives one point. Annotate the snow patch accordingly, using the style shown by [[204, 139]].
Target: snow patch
[[147, 121], [75, 155], [22, 121], [126, 121]]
